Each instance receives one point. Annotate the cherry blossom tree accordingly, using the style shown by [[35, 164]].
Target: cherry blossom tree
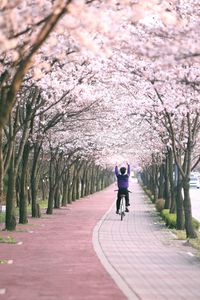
[[123, 84]]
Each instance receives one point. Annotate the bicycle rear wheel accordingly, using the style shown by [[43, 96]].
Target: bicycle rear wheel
[[122, 208]]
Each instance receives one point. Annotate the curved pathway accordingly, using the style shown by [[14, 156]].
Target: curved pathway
[[142, 256]]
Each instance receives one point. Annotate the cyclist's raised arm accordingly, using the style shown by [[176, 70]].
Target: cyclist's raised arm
[[116, 171], [128, 170]]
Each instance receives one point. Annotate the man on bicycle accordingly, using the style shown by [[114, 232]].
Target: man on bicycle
[[122, 182]]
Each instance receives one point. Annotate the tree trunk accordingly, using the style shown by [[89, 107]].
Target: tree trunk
[[17, 189], [179, 204], [171, 180], [64, 190], [43, 188], [14, 166], [83, 181], [51, 189], [73, 184], [92, 186], [82, 187], [69, 199], [10, 198], [57, 197], [161, 182], [86, 182], [190, 232], [77, 187], [95, 180], [167, 194], [68, 187], [33, 194], [155, 183], [50, 201], [102, 182], [33, 181], [23, 200], [98, 180], [1, 166]]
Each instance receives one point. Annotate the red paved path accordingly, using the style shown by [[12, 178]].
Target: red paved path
[[57, 259]]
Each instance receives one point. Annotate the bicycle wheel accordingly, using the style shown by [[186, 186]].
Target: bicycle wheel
[[122, 213]]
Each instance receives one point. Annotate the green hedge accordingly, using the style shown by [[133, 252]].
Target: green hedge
[[160, 203], [170, 219], [2, 217], [148, 193]]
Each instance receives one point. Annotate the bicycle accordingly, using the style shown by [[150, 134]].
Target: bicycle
[[122, 207]]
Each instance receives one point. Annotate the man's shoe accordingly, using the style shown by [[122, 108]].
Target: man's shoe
[[117, 212], [128, 204], [126, 210]]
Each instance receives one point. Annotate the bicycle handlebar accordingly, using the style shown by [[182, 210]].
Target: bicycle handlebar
[[118, 190]]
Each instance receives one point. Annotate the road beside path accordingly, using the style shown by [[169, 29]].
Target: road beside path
[[195, 202], [55, 259]]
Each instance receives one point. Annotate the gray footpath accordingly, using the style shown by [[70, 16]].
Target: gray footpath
[[143, 257]]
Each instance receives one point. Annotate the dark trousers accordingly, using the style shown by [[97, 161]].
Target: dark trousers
[[122, 191]]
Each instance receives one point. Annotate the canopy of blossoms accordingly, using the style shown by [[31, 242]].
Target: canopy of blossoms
[[114, 70]]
